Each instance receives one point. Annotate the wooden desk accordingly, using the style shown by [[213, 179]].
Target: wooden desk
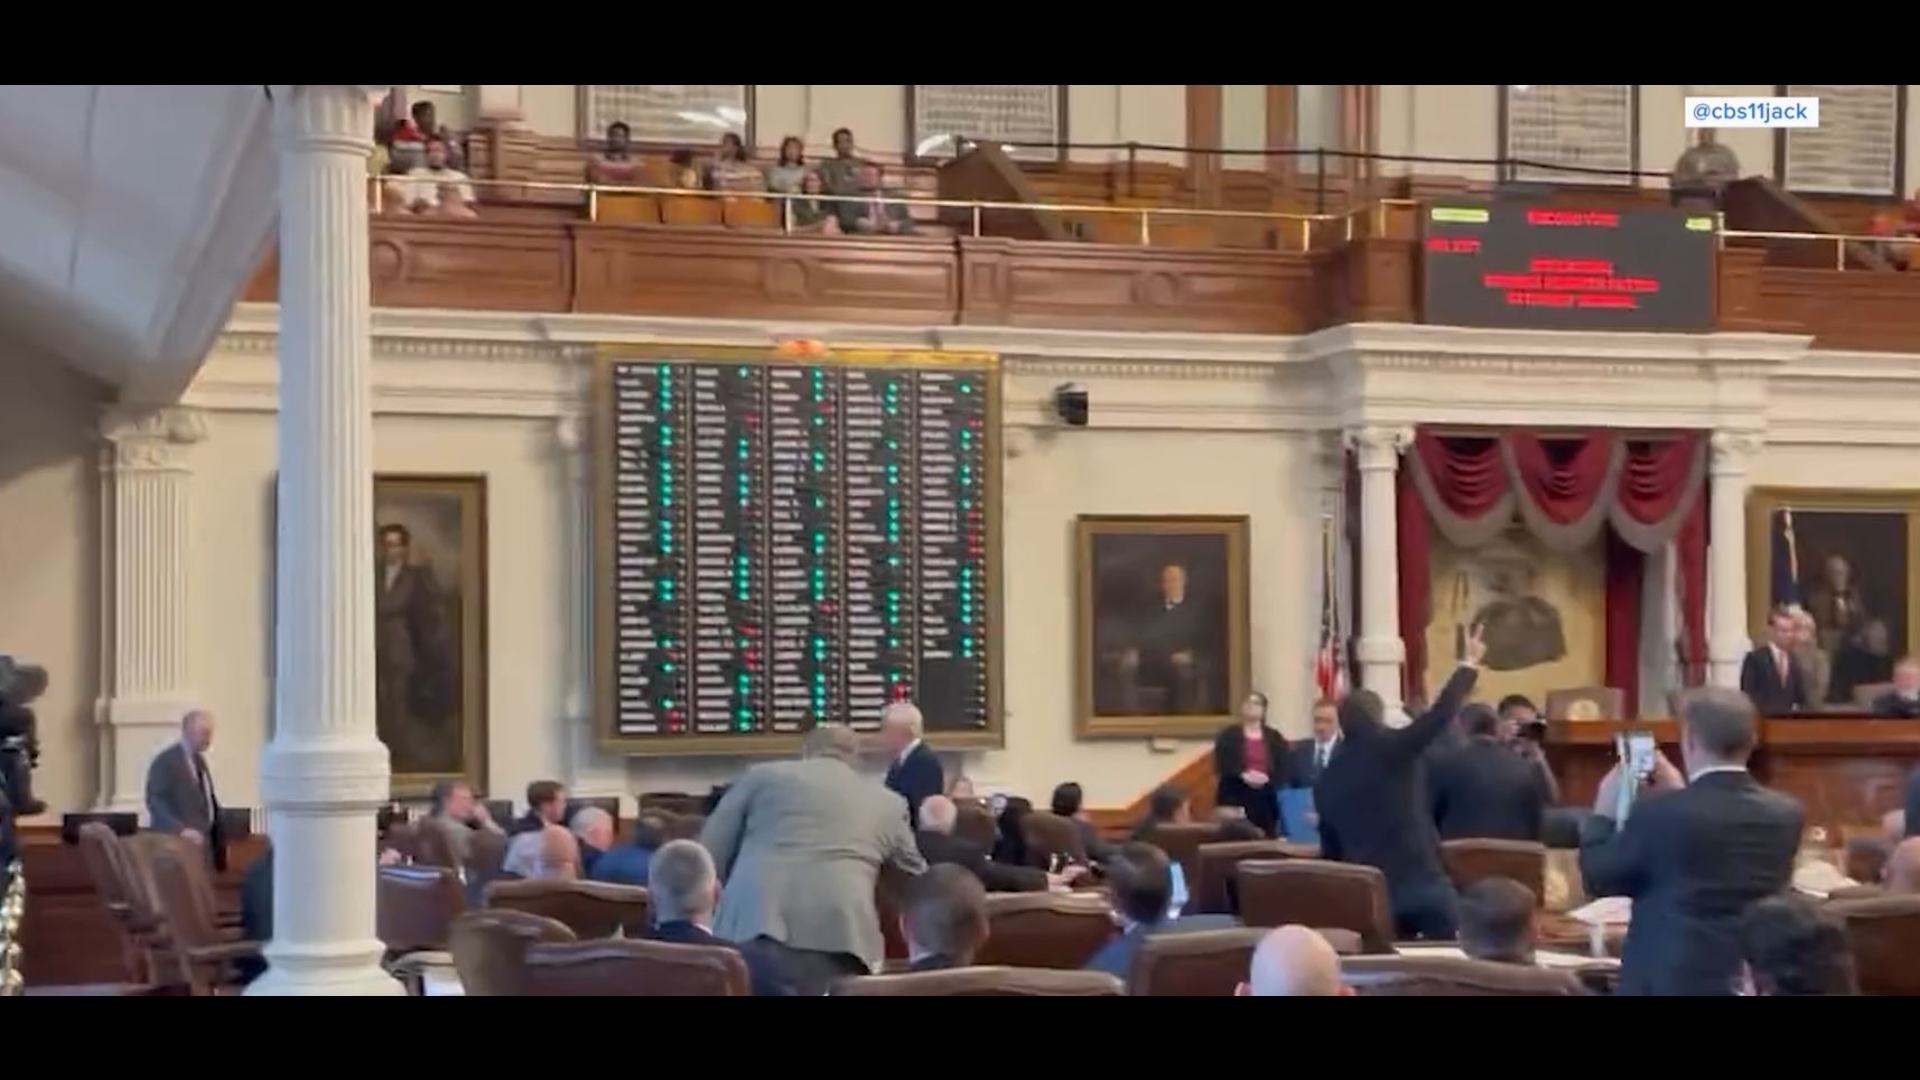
[[1846, 770], [67, 936]]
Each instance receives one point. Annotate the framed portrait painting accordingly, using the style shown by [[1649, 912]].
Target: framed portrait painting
[[1161, 641], [430, 581], [1848, 559]]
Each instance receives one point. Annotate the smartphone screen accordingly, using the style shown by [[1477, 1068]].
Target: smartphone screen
[[1640, 751]]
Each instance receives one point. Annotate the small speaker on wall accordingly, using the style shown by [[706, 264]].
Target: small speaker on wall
[[1070, 404]]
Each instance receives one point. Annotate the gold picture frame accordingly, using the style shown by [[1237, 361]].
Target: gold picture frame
[[1876, 533], [430, 629], [1124, 570], [605, 514]]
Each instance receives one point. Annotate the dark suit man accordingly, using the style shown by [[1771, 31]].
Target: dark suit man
[[914, 771], [1373, 805], [1903, 701], [943, 918], [1173, 650], [683, 890], [1693, 854], [180, 796], [1141, 879], [1310, 758], [799, 845], [939, 846], [1770, 677], [413, 661], [1485, 789]]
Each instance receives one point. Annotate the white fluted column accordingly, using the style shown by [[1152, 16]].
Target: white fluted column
[[592, 773], [146, 677], [1380, 650], [325, 772], [1728, 637]]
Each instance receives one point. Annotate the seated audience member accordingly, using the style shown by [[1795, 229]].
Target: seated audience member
[[1789, 948], [1294, 961], [1693, 854], [1141, 880], [458, 815], [841, 172], [546, 805], [731, 170], [1485, 789], [791, 170], [876, 212], [680, 170], [615, 165], [438, 187], [410, 137], [684, 889], [1903, 700], [593, 829], [812, 215], [1496, 921], [939, 846], [1069, 802], [1902, 871], [548, 854], [630, 863], [1166, 806], [944, 918]]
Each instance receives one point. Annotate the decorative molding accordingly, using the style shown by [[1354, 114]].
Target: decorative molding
[[148, 440], [1733, 451], [1379, 448]]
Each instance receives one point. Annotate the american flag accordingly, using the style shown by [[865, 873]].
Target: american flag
[[1329, 667]]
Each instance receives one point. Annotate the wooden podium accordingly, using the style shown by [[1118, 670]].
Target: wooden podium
[[1847, 770]]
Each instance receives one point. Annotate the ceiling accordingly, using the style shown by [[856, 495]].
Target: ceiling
[[132, 216]]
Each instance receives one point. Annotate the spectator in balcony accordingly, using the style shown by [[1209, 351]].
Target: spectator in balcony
[[438, 187], [876, 212], [615, 165], [791, 170], [812, 215], [730, 169], [411, 136], [680, 169], [841, 172]]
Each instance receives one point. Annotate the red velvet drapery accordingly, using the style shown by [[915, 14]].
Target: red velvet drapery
[[1568, 488]]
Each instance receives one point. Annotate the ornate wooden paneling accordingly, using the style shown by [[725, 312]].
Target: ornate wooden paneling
[[638, 270], [471, 264], [1109, 287]]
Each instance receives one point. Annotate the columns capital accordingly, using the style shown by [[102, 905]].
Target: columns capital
[[1378, 448], [1733, 451], [325, 116], [570, 434], [148, 440]]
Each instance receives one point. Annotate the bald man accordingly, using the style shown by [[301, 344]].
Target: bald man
[[1902, 872], [913, 770], [1294, 961], [180, 796]]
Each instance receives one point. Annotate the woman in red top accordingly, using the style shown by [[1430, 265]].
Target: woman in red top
[[1248, 758]]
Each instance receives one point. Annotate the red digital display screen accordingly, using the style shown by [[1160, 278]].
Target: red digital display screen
[[1552, 268]]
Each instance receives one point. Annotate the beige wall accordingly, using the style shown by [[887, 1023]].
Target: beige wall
[[1447, 120], [49, 560], [877, 114]]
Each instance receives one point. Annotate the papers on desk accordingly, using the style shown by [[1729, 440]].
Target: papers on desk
[[1606, 911], [1558, 961], [1819, 879]]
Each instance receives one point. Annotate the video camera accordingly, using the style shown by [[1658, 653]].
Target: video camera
[[21, 684]]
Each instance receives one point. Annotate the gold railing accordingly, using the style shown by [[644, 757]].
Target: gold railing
[[1145, 215], [1838, 240], [13, 912]]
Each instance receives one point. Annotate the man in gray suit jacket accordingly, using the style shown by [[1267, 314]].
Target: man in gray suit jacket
[[180, 798], [799, 846]]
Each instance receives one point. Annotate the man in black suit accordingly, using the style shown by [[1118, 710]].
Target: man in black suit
[[1903, 701], [943, 918], [1310, 757], [914, 771], [1173, 650], [939, 846], [1693, 854], [180, 796], [1140, 877], [1769, 675], [1373, 805], [1486, 789], [684, 889]]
